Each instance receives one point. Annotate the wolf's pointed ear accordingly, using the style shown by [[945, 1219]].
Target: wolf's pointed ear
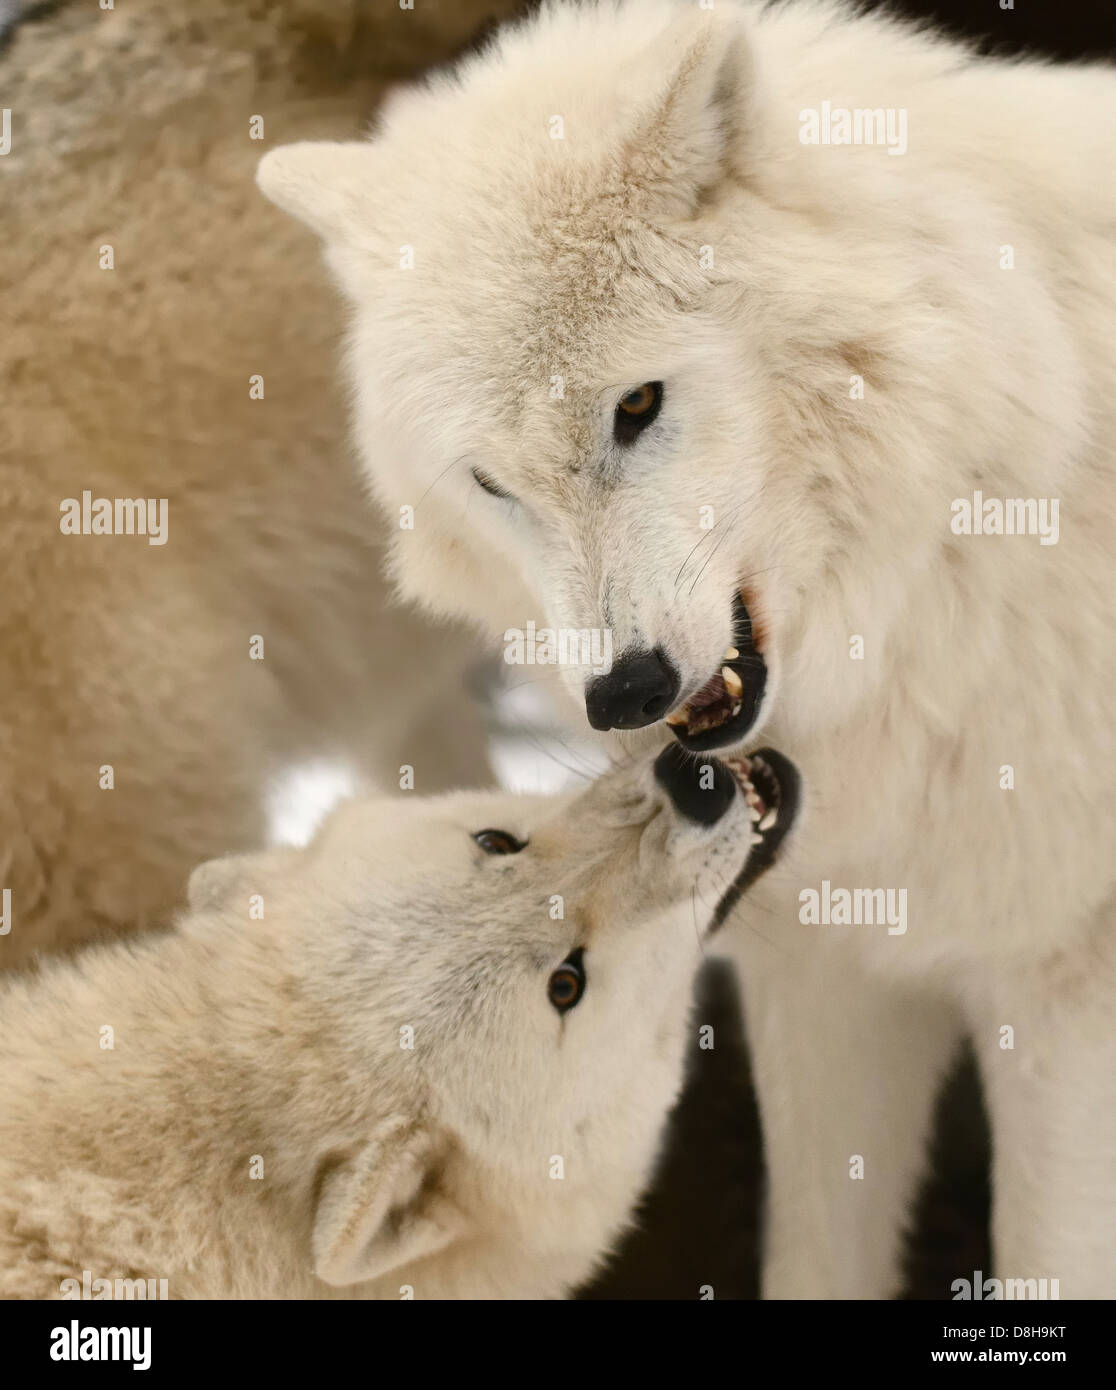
[[691, 132], [216, 881], [381, 1208], [328, 184]]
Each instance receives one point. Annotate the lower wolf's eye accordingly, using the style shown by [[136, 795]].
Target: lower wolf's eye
[[567, 984], [637, 409], [498, 842]]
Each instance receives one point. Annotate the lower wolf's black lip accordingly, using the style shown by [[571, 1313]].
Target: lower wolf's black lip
[[751, 671], [784, 787]]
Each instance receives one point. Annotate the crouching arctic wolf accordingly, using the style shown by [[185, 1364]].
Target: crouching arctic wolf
[[777, 341], [434, 1061]]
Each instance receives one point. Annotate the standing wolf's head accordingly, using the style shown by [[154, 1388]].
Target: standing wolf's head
[[628, 355]]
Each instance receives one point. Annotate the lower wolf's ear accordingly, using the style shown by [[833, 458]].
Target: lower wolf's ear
[[381, 1208], [690, 131], [328, 184], [211, 882], [217, 880]]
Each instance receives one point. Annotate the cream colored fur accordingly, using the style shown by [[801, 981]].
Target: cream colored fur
[[131, 128], [259, 1126], [551, 276]]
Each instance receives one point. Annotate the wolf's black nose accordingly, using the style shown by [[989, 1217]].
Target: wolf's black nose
[[700, 788], [640, 688]]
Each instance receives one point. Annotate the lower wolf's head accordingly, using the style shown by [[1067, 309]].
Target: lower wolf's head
[[504, 983], [607, 313]]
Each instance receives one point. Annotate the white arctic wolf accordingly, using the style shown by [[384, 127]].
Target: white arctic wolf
[[439, 1059], [752, 336]]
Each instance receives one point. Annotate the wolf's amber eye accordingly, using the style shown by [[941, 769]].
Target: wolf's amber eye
[[567, 984], [640, 401], [637, 409], [484, 481], [498, 842]]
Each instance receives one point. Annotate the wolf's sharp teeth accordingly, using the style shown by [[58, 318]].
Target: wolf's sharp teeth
[[733, 684], [737, 708], [731, 654], [753, 814], [757, 840], [770, 819], [679, 717]]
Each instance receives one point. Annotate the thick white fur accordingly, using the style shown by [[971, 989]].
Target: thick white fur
[[580, 258], [386, 1169]]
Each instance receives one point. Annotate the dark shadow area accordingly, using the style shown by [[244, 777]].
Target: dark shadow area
[[1075, 29], [948, 1235]]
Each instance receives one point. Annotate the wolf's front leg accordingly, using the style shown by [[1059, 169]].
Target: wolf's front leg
[[1047, 1048], [846, 1068]]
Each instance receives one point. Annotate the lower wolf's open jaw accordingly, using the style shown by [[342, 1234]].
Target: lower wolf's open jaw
[[725, 708], [770, 785], [760, 788]]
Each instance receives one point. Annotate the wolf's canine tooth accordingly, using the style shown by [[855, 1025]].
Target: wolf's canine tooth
[[679, 718], [731, 654], [770, 819], [733, 684]]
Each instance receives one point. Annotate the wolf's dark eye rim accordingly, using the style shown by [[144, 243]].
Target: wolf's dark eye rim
[[636, 410], [494, 489], [567, 984], [499, 842]]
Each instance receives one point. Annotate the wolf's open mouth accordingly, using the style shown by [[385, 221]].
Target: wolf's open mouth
[[725, 708], [767, 781], [771, 786], [761, 789]]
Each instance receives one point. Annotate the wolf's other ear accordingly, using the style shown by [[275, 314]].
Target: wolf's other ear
[[216, 881], [691, 133], [212, 882], [328, 184], [381, 1208]]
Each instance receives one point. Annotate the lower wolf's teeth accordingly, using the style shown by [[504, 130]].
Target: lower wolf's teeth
[[757, 840], [737, 708], [769, 820]]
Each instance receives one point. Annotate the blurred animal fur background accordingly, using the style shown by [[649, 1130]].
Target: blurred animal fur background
[[130, 128]]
